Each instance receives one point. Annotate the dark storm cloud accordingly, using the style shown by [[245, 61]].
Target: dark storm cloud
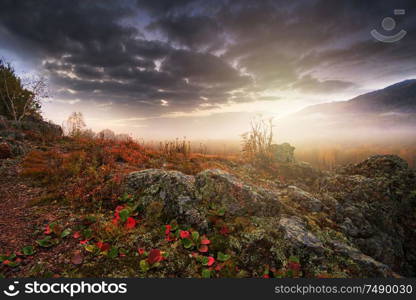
[[195, 32], [192, 52]]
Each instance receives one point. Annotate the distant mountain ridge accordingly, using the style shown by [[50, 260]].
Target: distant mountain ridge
[[396, 98]]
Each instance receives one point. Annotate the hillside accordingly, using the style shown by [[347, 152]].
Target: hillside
[[398, 98], [83, 207]]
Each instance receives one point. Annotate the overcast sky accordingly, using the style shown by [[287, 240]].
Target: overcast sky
[[163, 68]]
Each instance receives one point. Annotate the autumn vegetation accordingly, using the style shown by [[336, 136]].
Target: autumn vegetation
[[101, 230]]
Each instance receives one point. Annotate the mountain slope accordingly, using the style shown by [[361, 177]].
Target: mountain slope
[[397, 98]]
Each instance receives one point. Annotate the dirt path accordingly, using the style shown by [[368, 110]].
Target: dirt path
[[21, 224], [18, 221]]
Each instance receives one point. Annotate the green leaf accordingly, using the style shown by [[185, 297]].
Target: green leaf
[[91, 248], [113, 252], [124, 214], [46, 242], [204, 260], [144, 265], [65, 233], [206, 273], [28, 250], [187, 243], [223, 257], [221, 212], [195, 236]]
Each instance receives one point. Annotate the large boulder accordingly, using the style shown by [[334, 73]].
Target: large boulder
[[172, 188], [188, 198]]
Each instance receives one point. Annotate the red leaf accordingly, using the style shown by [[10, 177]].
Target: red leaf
[[6, 262], [84, 242], [266, 276], [218, 268], [115, 220], [168, 229], [154, 256], [141, 251], [130, 223], [205, 241], [76, 235], [203, 248], [103, 246], [211, 261], [47, 229], [184, 234], [119, 208]]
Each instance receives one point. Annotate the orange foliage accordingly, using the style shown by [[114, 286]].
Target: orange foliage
[[85, 171]]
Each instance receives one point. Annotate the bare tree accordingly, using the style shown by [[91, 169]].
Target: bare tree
[[75, 124]]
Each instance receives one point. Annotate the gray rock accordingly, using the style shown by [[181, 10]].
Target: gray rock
[[238, 198], [295, 231], [371, 266], [174, 189], [305, 199]]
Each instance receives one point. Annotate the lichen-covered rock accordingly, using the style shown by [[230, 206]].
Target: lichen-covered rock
[[304, 199], [238, 198], [174, 189], [187, 198], [295, 231], [370, 266]]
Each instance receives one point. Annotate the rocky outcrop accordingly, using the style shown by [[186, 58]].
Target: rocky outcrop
[[15, 136], [187, 198], [376, 211], [283, 152], [376, 166], [368, 213]]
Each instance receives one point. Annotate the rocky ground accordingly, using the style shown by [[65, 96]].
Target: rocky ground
[[358, 221]]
